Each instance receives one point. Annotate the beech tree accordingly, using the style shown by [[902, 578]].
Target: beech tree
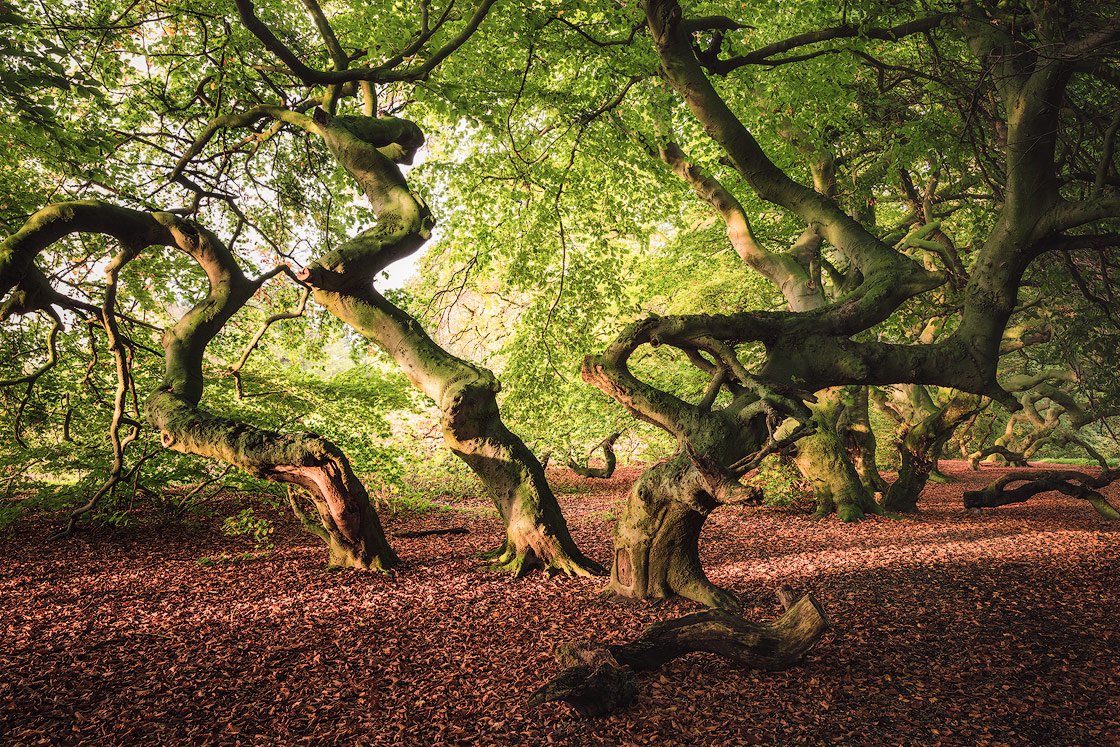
[[887, 174], [370, 148], [1032, 67]]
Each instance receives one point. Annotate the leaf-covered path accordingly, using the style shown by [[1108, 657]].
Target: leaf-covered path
[[949, 629]]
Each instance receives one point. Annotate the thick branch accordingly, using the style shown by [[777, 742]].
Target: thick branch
[[764, 55], [385, 73]]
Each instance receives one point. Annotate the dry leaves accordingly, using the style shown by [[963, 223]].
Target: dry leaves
[[948, 629]]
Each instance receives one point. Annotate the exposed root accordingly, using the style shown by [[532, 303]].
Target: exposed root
[[600, 679]]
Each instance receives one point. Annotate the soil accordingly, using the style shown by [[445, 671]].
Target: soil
[[948, 629]]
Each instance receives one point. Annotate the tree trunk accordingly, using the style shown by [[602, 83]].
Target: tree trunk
[[824, 461], [370, 149], [854, 428], [919, 446], [609, 460], [656, 541], [348, 524], [935, 474], [914, 469]]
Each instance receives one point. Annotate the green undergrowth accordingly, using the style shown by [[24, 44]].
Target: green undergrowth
[[1075, 461], [781, 484]]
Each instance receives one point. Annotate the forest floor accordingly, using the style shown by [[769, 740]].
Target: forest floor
[[948, 629]]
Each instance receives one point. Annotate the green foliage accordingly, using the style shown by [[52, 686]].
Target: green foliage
[[556, 226], [780, 482], [247, 524]]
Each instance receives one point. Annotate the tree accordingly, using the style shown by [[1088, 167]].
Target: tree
[[1040, 207], [889, 172], [369, 148]]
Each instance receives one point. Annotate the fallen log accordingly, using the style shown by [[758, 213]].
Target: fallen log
[[768, 646], [599, 679], [592, 691]]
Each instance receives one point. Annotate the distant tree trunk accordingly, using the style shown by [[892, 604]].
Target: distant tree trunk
[[825, 462], [854, 428], [609, 459], [935, 474], [915, 465], [919, 445]]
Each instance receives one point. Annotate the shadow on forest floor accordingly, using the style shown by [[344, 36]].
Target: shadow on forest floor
[[948, 629]]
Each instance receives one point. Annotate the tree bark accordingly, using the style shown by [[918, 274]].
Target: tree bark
[[920, 444], [915, 465], [768, 646], [370, 149], [657, 538], [854, 429], [823, 459]]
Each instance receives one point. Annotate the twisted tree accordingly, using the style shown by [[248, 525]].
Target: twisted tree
[[968, 142], [347, 523], [1040, 207], [370, 148]]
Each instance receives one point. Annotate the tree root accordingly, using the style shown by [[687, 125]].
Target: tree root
[[600, 679], [1069, 482], [519, 563]]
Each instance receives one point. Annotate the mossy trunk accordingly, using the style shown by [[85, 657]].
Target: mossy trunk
[[916, 463], [823, 459], [656, 541], [919, 448], [854, 429], [537, 535], [347, 523], [935, 474], [370, 150]]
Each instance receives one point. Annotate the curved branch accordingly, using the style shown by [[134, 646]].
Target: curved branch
[[52, 353], [235, 369], [385, 73], [305, 460], [686, 75], [1069, 482], [610, 460], [765, 55], [240, 120]]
